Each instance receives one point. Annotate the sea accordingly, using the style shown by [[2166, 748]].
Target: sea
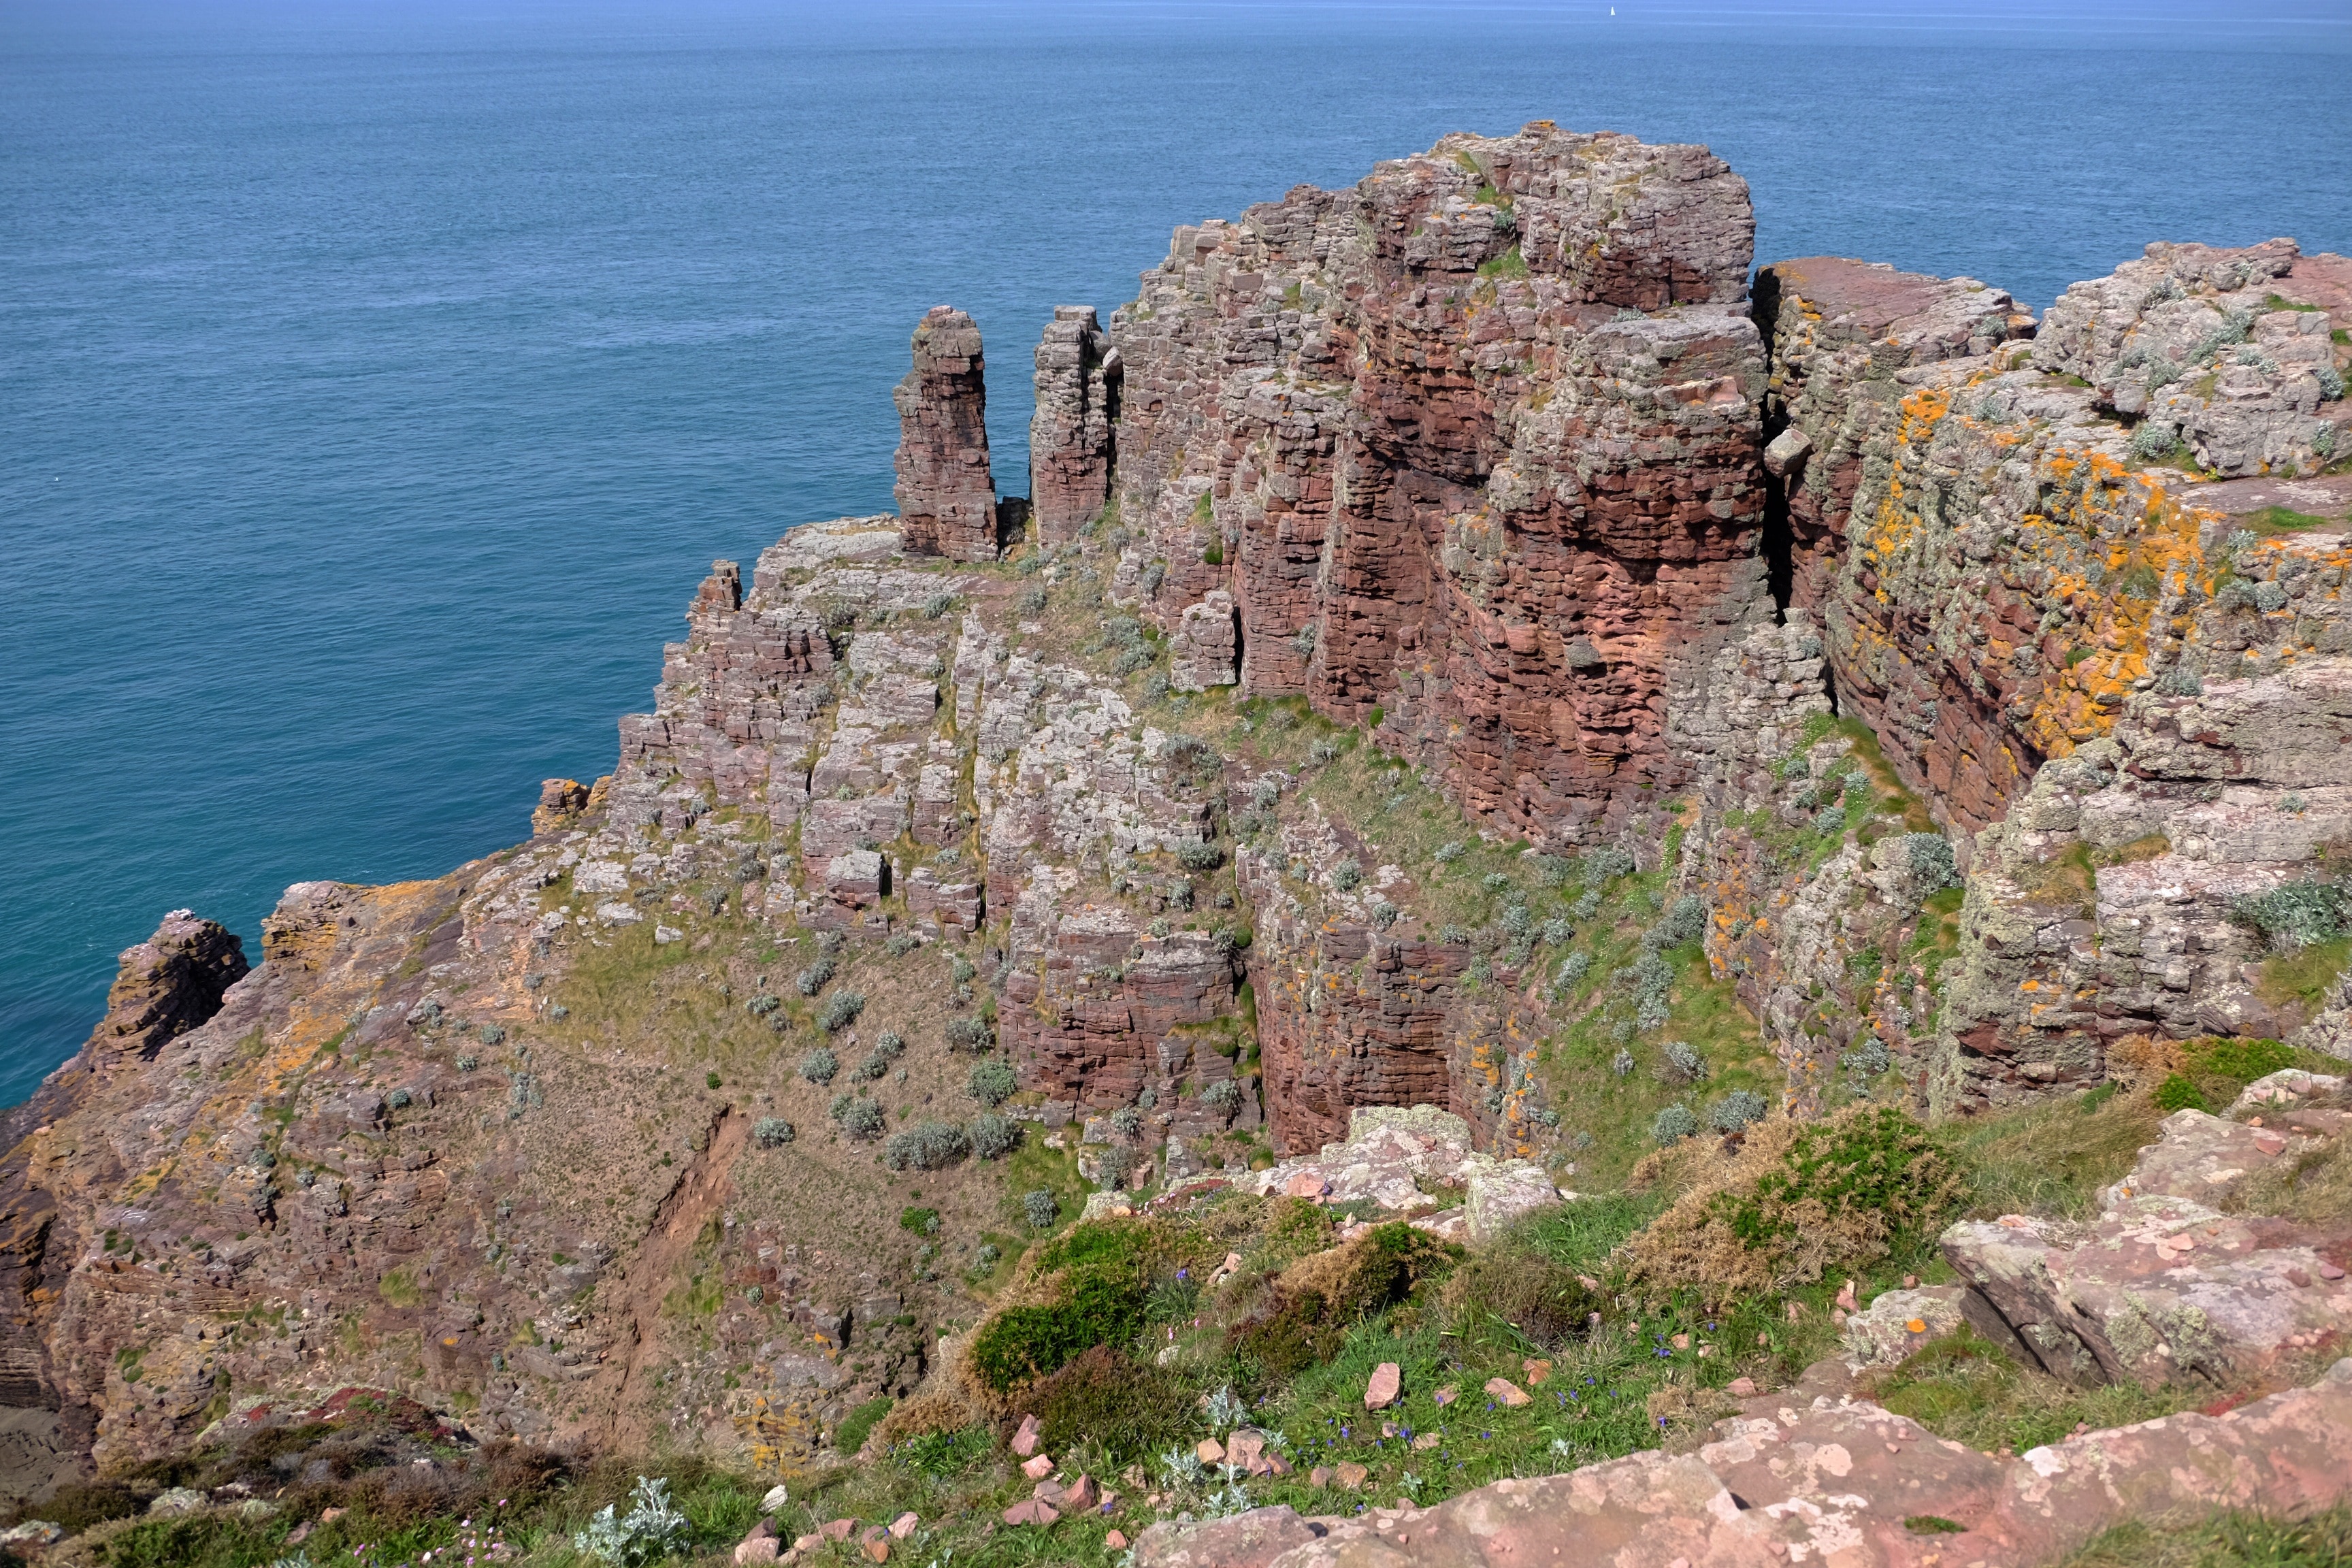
[[378, 379]]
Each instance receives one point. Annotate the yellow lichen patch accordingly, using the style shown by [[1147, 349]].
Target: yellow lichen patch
[[2142, 539]]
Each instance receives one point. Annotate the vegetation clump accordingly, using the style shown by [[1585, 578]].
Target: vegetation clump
[[991, 1082], [926, 1146], [2298, 914], [1796, 1202]]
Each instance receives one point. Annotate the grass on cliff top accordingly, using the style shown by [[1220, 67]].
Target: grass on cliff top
[[2226, 1539], [2273, 521]]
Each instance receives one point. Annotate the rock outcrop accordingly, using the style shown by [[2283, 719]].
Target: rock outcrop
[[1070, 437], [1417, 1161], [2166, 1285], [168, 984], [944, 490], [2226, 353], [1486, 458], [1832, 1480], [1475, 444]]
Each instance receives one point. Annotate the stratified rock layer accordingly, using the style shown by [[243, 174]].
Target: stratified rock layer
[[165, 986], [944, 490]]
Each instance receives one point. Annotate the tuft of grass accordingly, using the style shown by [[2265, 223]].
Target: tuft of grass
[[2273, 521], [1967, 1389], [2303, 978], [1510, 264], [2230, 1540], [2052, 1159]]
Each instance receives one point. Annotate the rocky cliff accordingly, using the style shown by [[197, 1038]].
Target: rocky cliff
[[1470, 648]]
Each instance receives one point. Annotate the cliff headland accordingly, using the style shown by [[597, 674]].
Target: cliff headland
[[1499, 731]]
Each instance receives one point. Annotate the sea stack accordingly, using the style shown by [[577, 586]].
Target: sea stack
[[944, 490]]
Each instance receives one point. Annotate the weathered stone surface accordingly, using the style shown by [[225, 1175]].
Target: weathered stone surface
[[1208, 645], [1416, 1159], [944, 490], [1832, 1482], [1071, 435], [2228, 348], [1899, 1323]]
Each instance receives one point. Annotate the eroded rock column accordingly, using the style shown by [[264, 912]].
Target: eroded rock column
[[946, 495], [1070, 434]]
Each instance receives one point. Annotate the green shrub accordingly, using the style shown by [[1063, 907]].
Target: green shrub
[[857, 1116], [927, 1146], [2244, 1060], [1735, 1110], [1802, 1198], [2297, 915], [991, 1082], [1543, 1299], [653, 1528], [1321, 1296], [2176, 1093], [1201, 856], [995, 1136], [1097, 1300]]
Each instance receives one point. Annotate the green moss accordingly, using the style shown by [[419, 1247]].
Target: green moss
[[2273, 521], [851, 1435], [2304, 976]]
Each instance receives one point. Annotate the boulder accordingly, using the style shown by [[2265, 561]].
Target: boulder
[[1899, 1323]]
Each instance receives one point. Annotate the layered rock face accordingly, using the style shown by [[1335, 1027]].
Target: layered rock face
[[944, 489], [1475, 444], [163, 988], [1070, 447]]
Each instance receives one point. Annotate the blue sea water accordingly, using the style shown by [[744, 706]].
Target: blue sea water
[[376, 381]]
